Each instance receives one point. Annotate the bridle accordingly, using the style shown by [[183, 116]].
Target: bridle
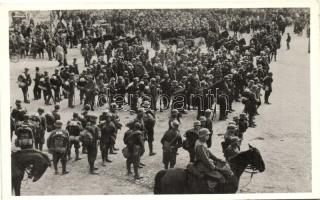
[[250, 170]]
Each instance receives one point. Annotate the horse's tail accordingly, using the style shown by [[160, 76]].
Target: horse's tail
[[157, 182]]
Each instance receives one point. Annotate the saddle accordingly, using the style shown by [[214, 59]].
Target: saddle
[[214, 175]]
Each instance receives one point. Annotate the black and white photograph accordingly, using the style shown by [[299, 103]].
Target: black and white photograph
[[159, 101]]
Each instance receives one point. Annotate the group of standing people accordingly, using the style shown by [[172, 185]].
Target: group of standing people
[[188, 78]]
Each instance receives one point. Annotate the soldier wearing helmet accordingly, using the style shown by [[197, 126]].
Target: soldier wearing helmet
[[171, 142], [134, 141], [58, 143]]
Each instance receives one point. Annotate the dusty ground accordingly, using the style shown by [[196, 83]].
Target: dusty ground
[[282, 136]]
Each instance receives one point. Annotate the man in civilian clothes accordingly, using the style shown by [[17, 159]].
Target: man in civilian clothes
[[267, 83], [36, 89]]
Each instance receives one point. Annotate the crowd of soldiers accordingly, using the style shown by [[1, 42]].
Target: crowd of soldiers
[[176, 80]]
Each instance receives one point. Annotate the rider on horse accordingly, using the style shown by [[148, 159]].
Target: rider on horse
[[210, 170]]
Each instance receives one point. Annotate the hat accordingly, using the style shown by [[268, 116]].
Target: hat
[[203, 132], [202, 119], [56, 107], [234, 139], [40, 109], [75, 115], [207, 111], [58, 123], [140, 110], [175, 123], [174, 111], [137, 125], [231, 126], [18, 101], [242, 115], [197, 123], [87, 107], [146, 104]]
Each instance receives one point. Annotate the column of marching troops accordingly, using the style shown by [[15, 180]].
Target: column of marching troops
[[169, 80]]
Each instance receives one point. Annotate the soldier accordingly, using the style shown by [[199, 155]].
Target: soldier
[[288, 40], [116, 120], [51, 117], [42, 128], [267, 82], [232, 149], [191, 138], [139, 118], [206, 122], [204, 158], [71, 90], [24, 133], [134, 141], [90, 93], [154, 91], [242, 125], [171, 141], [35, 124], [36, 89], [18, 112], [108, 136], [165, 87], [174, 115], [24, 81], [149, 120], [74, 127], [58, 143], [56, 84], [90, 137], [81, 87]]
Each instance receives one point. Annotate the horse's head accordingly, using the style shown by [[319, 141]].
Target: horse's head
[[40, 166], [257, 162], [36, 161]]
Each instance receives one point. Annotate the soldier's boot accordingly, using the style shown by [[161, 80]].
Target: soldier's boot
[[40, 147], [84, 150], [36, 145], [151, 153], [136, 172], [166, 166], [129, 172], [92, 169], [77, 155], [64, 168], [55, 166], [112, 151]]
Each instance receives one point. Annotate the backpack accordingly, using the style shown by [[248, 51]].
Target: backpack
[[59, 143], [50, 121], [86, 137], [24, 136]]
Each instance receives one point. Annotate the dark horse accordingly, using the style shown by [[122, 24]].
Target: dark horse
[[180, 181], [34, 161]]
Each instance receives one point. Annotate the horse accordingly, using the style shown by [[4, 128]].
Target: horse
[[180, 181], [32, 161]]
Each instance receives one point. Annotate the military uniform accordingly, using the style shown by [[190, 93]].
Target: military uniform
[[58, 143], [171, 141], [25, 135], [108, 136], [134, 141], [91, 147], [74, 127], [24, 81], [42, 128]]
